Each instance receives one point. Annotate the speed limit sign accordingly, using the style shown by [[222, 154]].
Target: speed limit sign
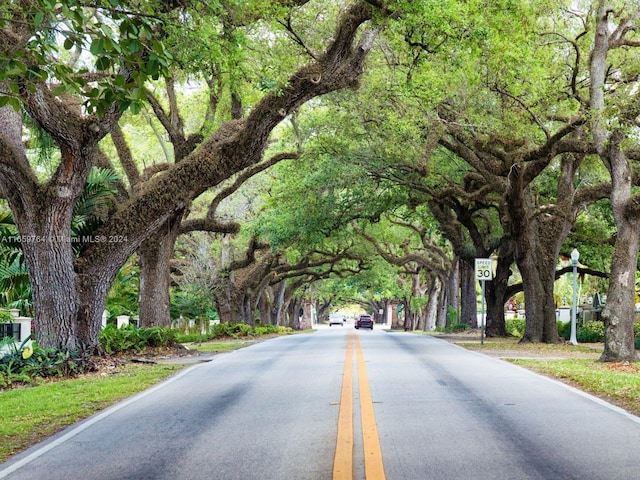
[[484, 269]]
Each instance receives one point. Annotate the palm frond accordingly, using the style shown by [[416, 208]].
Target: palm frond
[[96, 194]]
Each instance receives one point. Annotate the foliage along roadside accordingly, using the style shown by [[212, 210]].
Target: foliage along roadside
[[27, 364], [588, 332], [24, 365], [29, 415]]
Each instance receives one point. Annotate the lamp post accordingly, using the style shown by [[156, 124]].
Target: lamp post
[[575, 255]]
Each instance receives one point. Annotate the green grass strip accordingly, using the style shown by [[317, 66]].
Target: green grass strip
[[31, 414], [215, 347], [617, 383]]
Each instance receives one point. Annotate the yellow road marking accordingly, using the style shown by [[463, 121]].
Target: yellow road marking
[[373, 466], [343, 459]]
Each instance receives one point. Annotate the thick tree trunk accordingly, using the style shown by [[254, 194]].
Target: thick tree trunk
[[155, 256], [431, 309], [229, 307], [296, 312], [453, 291], [619, 312], [468, 296], [68, 302], [54, 289], [409, 320], [279, 307], [495, 292], [441, 318], [417, 292], [92, 297], [538, 239], [538, 249], [541, 325], [263, 310], [249, 311], [395, 318]]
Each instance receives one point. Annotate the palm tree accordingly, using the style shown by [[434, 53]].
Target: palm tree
[[91, 208]]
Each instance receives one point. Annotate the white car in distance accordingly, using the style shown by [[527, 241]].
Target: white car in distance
[[337, 319]]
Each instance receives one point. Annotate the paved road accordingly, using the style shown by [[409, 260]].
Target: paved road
[[270, 412]]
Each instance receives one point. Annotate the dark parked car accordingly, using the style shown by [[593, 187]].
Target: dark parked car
[[364, 321]]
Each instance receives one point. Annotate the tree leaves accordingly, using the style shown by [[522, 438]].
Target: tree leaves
[[107, 42]]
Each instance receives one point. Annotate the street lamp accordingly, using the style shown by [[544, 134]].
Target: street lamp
[[575, 255]]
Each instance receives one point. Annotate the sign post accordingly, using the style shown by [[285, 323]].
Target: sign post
[[484, 272]]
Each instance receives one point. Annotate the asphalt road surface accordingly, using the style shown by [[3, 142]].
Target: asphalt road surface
[[342, 404]]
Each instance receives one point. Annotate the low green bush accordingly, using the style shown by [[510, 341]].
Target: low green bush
[[564, 330], [590, 332], [270, 329], [231, 330], [456, 327], [24, 364], [191, 337], [515, 326], [129, 339]]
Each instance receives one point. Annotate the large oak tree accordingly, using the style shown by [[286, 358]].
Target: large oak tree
[[69, 292], [616, 29]]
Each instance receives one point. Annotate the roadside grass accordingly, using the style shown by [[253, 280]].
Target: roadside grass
[[219, 347], [575, 365], [617, 383], [31, 414], [538, 348]]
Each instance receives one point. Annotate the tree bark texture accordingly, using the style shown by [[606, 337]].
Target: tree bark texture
[[468, 296], [155, 254], [619, 312], [495, 296], [431, 309]]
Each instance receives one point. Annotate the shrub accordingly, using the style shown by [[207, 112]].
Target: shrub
[[233, 330], [515, 326], [24, 364], [191, 337], [264, 329], [590, 332], [564, 330], [456, 327], [270, 329], [130, 339]]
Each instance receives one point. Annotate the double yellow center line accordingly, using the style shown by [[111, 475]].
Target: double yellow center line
[[343, 460]]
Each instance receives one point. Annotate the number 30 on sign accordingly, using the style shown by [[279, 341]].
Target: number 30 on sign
[[484, 269]]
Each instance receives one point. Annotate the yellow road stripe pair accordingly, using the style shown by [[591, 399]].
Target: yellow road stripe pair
[[343, 460]]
